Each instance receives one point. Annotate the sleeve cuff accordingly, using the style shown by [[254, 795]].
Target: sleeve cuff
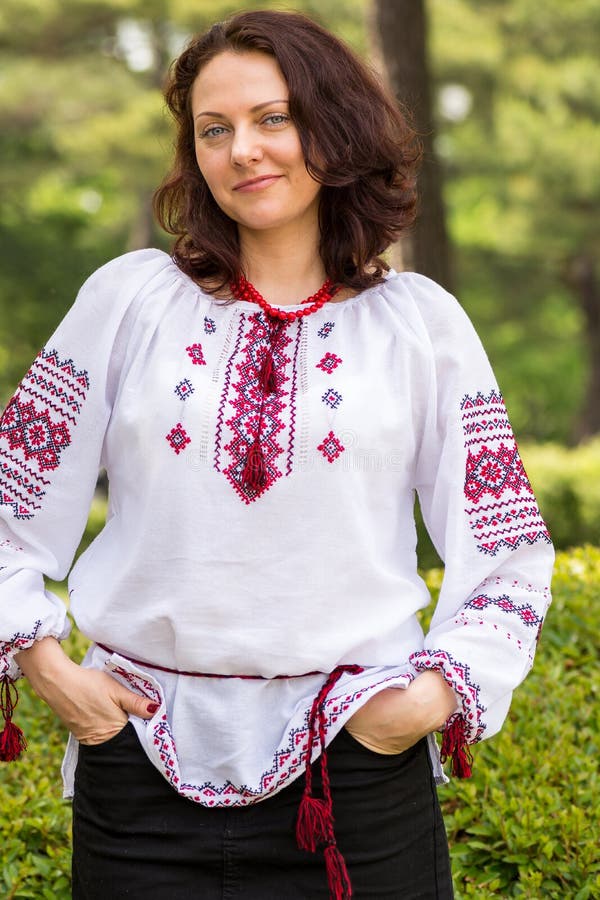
[[458, 676]]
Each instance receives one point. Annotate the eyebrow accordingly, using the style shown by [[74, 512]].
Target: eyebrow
[[256, 108]]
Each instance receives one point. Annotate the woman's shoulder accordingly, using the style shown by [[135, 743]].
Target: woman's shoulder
[[129, 269], [428, 304]]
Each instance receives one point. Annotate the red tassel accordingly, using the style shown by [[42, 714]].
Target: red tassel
[[12, 739], [454, 746], [340, 887], [254, 474], [313, 824], [267, 377]]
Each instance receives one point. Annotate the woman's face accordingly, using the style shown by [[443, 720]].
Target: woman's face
[[247, 147]]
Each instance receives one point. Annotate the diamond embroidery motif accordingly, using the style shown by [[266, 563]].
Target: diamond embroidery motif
[[329, 362], [194, 351], [326, 329], [178, 438], [331, 447], [184, 389], [37, 427], [332, 398], [494, 472], [524, 611], [209, 325], [500, 506], [32, 431]]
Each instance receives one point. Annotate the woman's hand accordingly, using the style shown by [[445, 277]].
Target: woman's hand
[[91, 704], [395, 719]]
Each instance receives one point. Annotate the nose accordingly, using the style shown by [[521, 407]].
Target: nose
[[246, 148]]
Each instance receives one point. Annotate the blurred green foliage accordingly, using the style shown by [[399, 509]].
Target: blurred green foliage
[[523, 826], [84, 139]]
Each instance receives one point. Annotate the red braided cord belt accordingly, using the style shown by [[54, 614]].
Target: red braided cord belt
[[314, 825]]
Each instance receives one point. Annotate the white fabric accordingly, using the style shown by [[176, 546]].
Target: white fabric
[[380, 396]]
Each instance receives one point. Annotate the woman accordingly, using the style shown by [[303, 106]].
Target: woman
[[266, 402]]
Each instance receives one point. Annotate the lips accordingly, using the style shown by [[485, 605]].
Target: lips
[[256, 184]]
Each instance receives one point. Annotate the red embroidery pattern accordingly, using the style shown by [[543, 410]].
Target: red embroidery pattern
[[287, 762], [37, 426], [194, 351], [501, 508], [178, 438], [16, 643], [524, 611], [458, 676], [241, 399], [331, 447], [210, 326], [328, 363]]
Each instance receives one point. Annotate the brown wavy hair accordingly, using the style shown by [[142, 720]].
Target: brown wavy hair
[[356, 142]]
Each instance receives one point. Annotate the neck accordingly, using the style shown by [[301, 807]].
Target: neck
[[285, 269]]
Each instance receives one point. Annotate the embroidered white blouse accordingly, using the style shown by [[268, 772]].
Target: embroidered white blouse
[[378, 396]]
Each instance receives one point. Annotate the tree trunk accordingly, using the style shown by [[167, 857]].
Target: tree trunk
[[400, 30], [583, 278]]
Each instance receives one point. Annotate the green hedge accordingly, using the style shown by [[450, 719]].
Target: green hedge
[[524, 826], [567, 484]]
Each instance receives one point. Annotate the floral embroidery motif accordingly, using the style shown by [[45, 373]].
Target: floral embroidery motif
[[178, 438], [458, 676], [194, 351], [329, 362], [209, 325], [332, 398], [525, 611], [243, 397], [37, 427], [184, 389], [326, 329], [501, 509], [331, 447]]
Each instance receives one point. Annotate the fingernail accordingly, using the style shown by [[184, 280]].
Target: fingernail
[[153, 707]]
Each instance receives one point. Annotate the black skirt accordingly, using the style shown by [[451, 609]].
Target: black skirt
[[134, 837]]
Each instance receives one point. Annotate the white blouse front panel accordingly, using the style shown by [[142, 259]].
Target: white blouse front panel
[[377, 397]]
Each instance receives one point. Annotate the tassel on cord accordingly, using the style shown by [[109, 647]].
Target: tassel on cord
[[340, 887], [455, 747], [12, 739], [314, 825], [254, 474], [267, 377]]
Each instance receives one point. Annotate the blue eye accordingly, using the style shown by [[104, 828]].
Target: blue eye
[[276, 118], [213, 131]]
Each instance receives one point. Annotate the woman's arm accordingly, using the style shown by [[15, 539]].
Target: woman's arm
[[91, 704]]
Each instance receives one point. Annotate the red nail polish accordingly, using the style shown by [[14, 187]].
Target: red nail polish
[[152, 708]]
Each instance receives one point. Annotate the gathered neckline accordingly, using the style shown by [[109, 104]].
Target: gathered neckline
[[246, 305]]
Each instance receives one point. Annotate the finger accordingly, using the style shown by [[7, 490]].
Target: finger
[[134, 704]]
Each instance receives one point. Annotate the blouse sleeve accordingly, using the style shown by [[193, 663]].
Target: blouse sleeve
[[484, 521], [51, 438]]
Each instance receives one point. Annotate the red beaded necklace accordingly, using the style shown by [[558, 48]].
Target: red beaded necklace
[[243, 290], [254, 473]]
